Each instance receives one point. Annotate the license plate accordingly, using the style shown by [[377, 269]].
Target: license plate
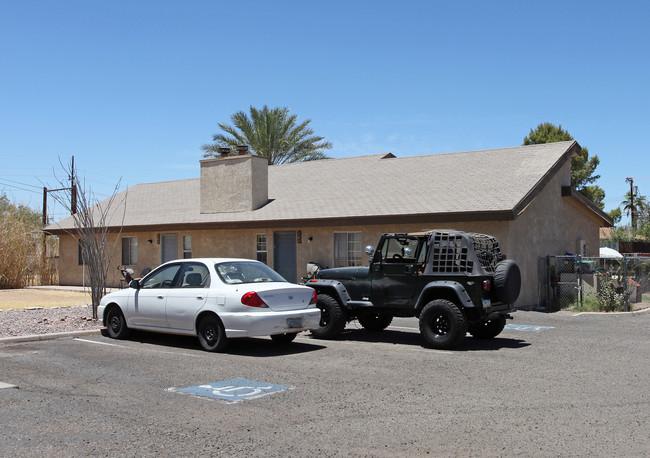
[[294, 322]]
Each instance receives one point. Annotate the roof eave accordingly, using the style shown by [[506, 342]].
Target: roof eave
[[606, 220]]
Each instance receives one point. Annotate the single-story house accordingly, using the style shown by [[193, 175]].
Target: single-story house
[[327, 211]]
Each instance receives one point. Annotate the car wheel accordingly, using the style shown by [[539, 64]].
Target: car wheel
[[211, 333], [442, 324], [332, 319], [488, 329], [115, 323], [507, 281], [284, 338], [375, 321]]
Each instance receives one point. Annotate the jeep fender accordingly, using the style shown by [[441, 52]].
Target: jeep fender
[[450, 290], [334, 288]]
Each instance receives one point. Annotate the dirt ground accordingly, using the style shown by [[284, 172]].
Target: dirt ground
[[24, 298]]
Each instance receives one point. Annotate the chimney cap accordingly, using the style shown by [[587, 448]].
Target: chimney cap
[[224, 151], [242, 150]]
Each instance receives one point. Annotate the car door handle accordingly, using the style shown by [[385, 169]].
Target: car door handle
[[161, 297], [199, 298]]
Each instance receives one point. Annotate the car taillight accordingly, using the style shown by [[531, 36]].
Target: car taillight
[[487, 285], [314, 298], [251, 299]]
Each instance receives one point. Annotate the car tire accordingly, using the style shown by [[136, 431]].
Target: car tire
[[332, 320], [284, 338], [116, 327], [442, 324], [507, 281], [375, 321], [211, 333], [488, 329]]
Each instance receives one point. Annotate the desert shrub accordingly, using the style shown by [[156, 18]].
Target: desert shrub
[[20, 237], [611, 296]]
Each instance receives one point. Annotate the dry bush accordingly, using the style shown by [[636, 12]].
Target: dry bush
[[19, 249]]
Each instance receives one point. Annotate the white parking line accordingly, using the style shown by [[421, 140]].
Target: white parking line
[[402, 327], [141, 348], [98, 343], [7, 385]]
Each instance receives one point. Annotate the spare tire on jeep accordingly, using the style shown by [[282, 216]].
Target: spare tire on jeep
[[507, 281]]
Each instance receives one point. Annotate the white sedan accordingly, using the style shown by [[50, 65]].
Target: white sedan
[[214, 299]]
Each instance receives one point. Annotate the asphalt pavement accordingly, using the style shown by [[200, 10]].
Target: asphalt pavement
[[549, 385]]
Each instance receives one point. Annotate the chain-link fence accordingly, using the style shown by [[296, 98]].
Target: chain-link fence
[[588, 283]]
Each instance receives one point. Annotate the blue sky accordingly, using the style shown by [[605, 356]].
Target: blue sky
[[132, 89]]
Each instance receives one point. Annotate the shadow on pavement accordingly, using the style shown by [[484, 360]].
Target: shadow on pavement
[[245, 346], [414, 339]]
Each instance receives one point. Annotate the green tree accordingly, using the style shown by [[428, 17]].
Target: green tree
[[583, 167], [272, 133], [616, 215], [637, 208]]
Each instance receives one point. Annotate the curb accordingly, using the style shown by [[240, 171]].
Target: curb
[[51, 336], [634, 312]]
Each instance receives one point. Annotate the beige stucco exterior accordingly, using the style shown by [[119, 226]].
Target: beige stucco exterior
[[543, 221], [550, 225]]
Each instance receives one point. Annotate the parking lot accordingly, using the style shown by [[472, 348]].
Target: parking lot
[[550, 384]]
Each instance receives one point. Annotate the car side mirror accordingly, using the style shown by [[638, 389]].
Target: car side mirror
[[135, 284], [370, 250]]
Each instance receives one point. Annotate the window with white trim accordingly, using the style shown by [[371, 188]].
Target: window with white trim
[[129, 251], [347, 249], [187, 246], [262, 250]]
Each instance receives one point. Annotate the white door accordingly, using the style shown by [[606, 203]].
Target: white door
[[188, 295], [148, 308]]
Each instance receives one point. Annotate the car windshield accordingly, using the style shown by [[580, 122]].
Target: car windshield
[[235, 272]]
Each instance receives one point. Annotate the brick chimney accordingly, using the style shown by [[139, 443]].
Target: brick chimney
[[234, 183]]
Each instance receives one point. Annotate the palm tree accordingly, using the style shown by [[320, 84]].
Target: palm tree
[[272, 133], [634, 207]]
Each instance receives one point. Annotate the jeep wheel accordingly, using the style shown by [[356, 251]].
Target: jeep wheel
[[375, 321], [332, 319], [442, 324], [507, 281], [488, 329]]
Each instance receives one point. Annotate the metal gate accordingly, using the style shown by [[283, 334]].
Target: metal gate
[[568, 282]]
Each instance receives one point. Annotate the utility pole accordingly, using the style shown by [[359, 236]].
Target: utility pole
[[632, 208], [73, 206]]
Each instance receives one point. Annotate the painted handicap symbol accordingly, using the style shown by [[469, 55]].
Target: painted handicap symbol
[[233, 390], [244, 391]]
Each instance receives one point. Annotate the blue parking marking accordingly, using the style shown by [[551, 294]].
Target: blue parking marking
[[526, 328], [233, 390]]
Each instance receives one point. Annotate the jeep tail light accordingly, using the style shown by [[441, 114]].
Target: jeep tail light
[[251, 299], [487, 285], [314, 298]]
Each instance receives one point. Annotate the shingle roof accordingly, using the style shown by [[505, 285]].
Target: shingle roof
[[489, 181]]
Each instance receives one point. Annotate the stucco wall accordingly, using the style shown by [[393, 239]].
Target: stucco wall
[[550, 225]]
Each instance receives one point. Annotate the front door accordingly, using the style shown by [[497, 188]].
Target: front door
[[284, 254], [169, 248]]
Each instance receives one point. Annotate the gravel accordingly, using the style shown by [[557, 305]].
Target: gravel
[[36, 321]]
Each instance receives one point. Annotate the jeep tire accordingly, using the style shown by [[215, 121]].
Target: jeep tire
[[442, 324], [374, 321], [507, 281], [488, 329], [332, 320]]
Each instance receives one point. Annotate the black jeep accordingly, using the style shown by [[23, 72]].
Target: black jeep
[[453, 281]]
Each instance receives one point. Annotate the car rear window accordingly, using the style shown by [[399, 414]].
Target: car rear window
[[236, 272]]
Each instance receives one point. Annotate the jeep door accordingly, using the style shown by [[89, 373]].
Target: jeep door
[[394, 271]]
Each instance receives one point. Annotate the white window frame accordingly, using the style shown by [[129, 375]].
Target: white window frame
[[187, 246], [348, 249], [262, 248]]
